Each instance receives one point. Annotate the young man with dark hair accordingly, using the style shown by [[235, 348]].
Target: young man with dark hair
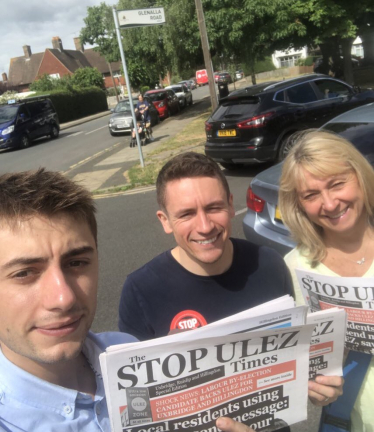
[[50, 377], [208, 275]]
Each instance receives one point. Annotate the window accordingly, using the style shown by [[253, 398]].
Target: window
[[34, 108], [279, 96], [23, 112], [302, 93], [358, 50], [332, 89], [288, 61]]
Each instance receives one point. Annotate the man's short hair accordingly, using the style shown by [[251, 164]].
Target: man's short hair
[[188, 165], [44, 193]]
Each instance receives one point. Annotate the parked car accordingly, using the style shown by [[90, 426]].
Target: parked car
[[216, 75], [239, 74], [121, 120], [165, 101], [224, 77], [184, 94], [186, 83], [262, 223], [26, 120], [201, 77], [192, 83], [252, 125]]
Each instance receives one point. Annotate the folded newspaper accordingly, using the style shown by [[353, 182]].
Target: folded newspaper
[[253, 367], [354, 295]]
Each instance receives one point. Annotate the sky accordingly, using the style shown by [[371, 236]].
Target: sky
[[35, 22]]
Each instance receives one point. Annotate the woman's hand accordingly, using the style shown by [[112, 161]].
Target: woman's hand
[[325, 389], [226, 424]]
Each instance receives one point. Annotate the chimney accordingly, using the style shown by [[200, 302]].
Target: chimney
[[78, 45], [27, 51], [5, 76], [56, 43]]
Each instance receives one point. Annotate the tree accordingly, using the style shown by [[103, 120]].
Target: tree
[[88, 77], [100, 31]]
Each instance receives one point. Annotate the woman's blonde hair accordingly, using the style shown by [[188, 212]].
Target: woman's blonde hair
[[322, 154]]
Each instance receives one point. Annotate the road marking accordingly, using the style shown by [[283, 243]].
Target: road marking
[[74, 134], [91, 157], [237, 213], [102, 127]]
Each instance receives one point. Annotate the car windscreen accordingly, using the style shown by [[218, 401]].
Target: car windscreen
[[178, 89], [246, 107], [156, 97], [361, 135], [7, 113], [122, 107]]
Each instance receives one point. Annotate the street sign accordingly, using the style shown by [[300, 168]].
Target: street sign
[[141, 17]]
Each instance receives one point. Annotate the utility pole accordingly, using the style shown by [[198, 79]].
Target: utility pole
[[206, 52]]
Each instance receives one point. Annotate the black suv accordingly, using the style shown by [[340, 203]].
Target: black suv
[[26, 120], [253, 124]]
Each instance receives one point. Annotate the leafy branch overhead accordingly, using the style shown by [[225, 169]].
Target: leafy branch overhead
[[242, 31]]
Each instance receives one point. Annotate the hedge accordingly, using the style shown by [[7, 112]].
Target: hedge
[[78, 103]]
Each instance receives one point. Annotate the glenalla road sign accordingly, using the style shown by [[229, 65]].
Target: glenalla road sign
[[141, 17]]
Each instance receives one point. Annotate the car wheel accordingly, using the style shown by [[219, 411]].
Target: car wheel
[[54, 131], [231, 166], [191, 102], [25, 142], [286, 144]]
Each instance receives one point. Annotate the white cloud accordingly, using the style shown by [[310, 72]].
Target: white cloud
[[35, 22]]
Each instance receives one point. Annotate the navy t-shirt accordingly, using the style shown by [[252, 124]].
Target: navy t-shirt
[[162, 292]]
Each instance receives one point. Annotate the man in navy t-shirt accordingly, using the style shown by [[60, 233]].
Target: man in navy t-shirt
[[208, 275], [142, 107]]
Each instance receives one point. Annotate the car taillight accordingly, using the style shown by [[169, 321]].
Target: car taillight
[[254, 202], [255, 122], [208, 126]]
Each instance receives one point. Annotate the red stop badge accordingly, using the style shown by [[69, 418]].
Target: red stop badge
[[187, 320]]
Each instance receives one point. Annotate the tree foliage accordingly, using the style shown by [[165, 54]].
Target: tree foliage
[[239, 31]]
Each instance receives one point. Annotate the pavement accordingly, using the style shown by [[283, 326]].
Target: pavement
[[107, 169]]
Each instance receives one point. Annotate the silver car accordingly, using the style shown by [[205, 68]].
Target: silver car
[[183, 93], [262, 223], [121, 119]]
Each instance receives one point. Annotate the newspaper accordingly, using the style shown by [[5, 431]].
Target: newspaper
[[327, 343], [354, 295], [181, 382], [258, 378]]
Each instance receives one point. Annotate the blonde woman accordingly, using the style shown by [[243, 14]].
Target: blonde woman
[[327, 201]]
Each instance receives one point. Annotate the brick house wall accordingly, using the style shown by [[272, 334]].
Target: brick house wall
[[50, 65]]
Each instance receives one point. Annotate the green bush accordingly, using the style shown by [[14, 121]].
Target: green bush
[[110, 91], [265, 65], [305, 61], [78, 103], [143, 89]]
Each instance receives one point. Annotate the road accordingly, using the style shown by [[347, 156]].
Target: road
[[73, 146]]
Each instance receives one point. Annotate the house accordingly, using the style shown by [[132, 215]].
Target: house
[[57, 62], [288, 58]]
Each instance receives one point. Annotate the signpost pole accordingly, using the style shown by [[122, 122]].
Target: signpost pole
[[128, 85]]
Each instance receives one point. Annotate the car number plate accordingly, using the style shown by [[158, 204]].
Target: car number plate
[[278, 215], [228, 132]]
